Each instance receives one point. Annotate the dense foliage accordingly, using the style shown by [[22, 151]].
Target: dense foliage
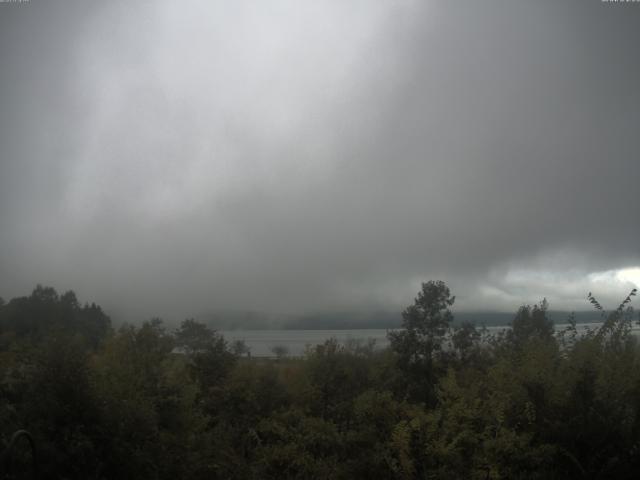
[[440, 402]]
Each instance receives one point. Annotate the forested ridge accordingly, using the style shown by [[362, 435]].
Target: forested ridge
[[441, 402]]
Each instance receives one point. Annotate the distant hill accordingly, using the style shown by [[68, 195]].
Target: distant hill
[[349, 320], [242, 320]]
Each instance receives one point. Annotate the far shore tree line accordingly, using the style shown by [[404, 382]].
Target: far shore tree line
[[442, 401]]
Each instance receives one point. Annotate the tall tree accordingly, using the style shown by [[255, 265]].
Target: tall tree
[[424, 327]]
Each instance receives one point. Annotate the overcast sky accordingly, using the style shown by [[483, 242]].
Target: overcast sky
[[169, 158]]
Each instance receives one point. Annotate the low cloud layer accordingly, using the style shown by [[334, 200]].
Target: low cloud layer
[[178, 157]]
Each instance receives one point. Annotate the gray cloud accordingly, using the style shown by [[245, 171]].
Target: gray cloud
[[173, 157]]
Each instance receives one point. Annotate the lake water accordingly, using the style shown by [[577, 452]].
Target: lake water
[[261, 342]]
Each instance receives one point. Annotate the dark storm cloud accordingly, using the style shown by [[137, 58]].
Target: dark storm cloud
[[172, 158]]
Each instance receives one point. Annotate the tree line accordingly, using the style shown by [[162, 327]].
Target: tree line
[[441, 402]]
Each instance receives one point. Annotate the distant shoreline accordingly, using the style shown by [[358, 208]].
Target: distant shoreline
[[362, 320], [261, 342]]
